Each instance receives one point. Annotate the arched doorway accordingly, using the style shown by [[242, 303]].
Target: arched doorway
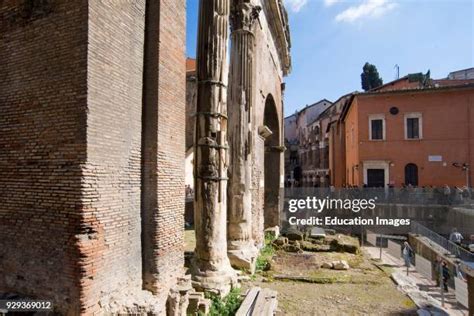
[[411, 174], [273, 153]]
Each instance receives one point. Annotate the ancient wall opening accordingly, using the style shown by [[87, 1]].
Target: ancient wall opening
[[272, 165]]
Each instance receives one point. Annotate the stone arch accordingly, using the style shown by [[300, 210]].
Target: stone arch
[[272, 162]]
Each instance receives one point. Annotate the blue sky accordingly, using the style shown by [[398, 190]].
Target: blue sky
[[332, 39]]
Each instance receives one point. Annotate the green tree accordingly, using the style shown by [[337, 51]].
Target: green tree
[[370, 78]]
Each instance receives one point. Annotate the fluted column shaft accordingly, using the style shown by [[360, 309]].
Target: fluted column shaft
[[211, 267], [241, 248]]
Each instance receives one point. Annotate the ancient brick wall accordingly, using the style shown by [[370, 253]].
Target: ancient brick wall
[[43, 53], [111, 183], [84, 215], [169, 217]]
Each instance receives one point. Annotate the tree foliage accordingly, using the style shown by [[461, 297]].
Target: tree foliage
[[370, 78]]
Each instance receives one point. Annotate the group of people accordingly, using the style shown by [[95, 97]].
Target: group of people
[[440, 267]]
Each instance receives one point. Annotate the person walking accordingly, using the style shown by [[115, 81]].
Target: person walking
[[447, 194], [407, 253], [459, 273], [446, 275], [456, 237]]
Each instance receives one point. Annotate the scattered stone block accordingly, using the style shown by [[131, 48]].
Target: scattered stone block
[[259, 302], [266, 303], [292, 248], [198, 304], [243, 278], [317, 232], [327, 265], [340, 265], [314, 247], [280, 241], [204, 306], [294, 234], [248, 302], [317, 241], [273, 232], [343, 243]]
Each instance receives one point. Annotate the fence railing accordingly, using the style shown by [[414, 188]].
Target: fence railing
[[448, 245]]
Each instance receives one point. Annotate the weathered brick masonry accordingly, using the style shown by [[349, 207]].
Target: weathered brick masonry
[[165, 144], [83, 214], [43, 100]]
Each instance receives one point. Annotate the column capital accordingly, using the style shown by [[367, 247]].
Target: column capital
[[243, 15]]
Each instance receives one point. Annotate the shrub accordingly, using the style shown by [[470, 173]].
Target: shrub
[[266, 254], [226, 306]]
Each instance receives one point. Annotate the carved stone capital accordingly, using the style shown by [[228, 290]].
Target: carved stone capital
[[243, 15]]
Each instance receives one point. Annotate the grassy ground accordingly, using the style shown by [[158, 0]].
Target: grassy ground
[[362, 290]]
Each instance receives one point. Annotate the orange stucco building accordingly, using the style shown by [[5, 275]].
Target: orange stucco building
[[405, 134]]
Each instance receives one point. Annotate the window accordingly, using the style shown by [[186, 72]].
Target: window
[[413, 126], [411, 174], [376, 127]]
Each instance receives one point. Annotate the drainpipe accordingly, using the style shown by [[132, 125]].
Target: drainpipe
[[468, 169]]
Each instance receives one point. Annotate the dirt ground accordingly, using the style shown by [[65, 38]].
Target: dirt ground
[[363, 290], [189, 240]]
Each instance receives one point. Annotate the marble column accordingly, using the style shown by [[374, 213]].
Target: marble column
[[211, 268], [241, 247]]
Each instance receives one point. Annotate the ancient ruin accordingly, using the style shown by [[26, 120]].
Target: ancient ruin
[[211, 269], [253, 120], [92, 133], [241, 247], [92, 138]]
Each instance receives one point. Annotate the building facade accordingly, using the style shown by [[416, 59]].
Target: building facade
[[306, 157], [411, 136]]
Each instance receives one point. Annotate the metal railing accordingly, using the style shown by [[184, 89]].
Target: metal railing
[[448, 245]]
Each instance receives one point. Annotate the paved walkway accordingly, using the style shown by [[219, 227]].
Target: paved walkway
[[422, 291]]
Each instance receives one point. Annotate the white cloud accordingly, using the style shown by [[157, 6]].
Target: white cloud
[[366, 9], [296, 5], [329, 3]]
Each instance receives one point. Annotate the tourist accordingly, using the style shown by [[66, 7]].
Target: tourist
[[458, 270], [466, 194], [457, 195], [456, 237], [407, 253], [446, 193], [446, 275]]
